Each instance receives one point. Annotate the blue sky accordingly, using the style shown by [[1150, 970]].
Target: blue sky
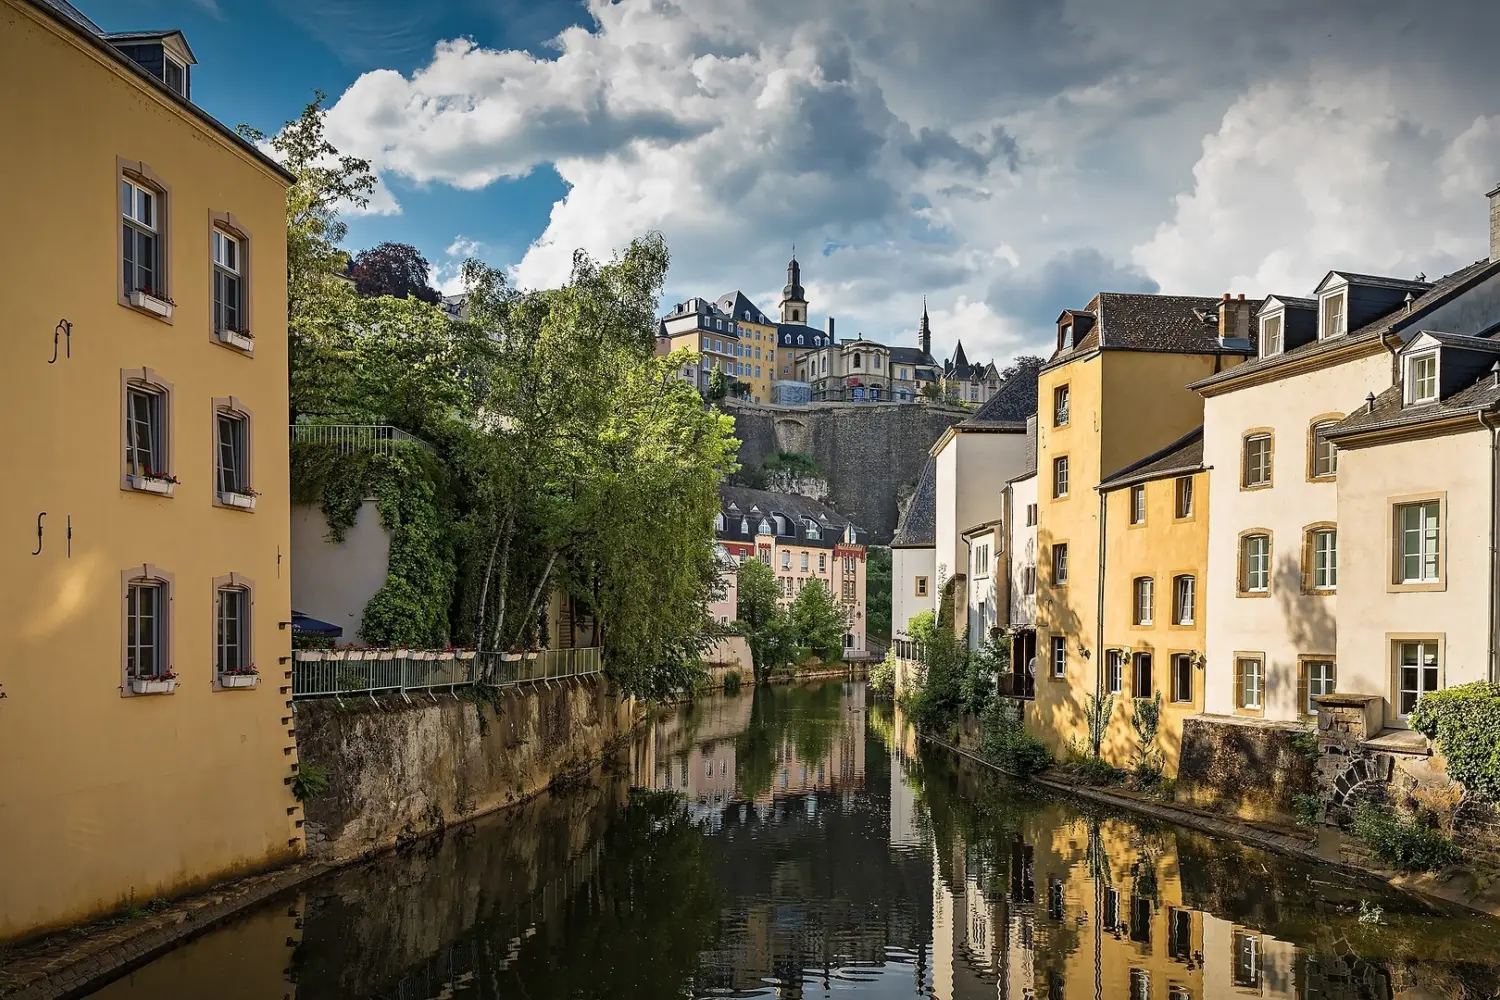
[[1003, 158]]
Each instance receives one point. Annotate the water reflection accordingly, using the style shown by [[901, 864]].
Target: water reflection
[[792, 842]]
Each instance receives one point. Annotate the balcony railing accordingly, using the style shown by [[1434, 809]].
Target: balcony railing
[[323, 673], [377, 438]]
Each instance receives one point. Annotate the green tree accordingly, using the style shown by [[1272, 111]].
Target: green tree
[[878, 592], [819, 621], [766, 625]]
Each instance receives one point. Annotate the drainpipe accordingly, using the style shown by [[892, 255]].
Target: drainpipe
[[1394, 351], [1494, 430], [1099, 601]]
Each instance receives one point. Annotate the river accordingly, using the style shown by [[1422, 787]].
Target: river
[[796, 842]]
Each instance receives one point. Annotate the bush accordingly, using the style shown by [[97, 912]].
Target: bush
[[1307, 809], [310, 782], [1464, 722], [1404, 844], [732, 682], [883, 676], [1008, 746], [1088, 769]]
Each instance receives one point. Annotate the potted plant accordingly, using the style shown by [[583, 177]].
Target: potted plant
[[152, 481], [238, 337], [152, 300], [240, 677], [161, 683], [243, 499]]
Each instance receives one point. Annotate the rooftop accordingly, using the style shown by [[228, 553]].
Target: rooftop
[[918, 527], [1172, 324], [1179, 458]]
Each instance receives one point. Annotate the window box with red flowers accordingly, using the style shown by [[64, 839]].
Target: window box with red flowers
[[243, 499], [240, 338], [153, 482], [244, 677], [152, 300], [163, 683]]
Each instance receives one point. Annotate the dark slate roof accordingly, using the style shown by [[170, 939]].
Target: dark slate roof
[[1442, 290], [1171, 324], [1381, 281], [1178, 458], [786, 335], [151, 36], [1488, 345], [1009, 407], [1390, 411], [1292, 301], [74, 14], [918, 528], [914, 356], [735, 303], [793, 506], [1030, 457]]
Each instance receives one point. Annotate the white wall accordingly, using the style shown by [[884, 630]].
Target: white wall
[[972, 470], [1285, 623], [1457, 466], [1022, 546], [332, 582], [906, 566], [986, 590]]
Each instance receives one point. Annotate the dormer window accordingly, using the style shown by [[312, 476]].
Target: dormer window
[[812, 530], [1333, 316], [719, 522], [1064, 335], [765, 527], [744, 526], [174, 75], [1422, 379], [780, 524], [849, 534], [1270, 336]]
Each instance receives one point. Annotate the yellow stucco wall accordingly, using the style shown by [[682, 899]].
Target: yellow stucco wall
[[107, 798], [760, 388], [1162, 548]]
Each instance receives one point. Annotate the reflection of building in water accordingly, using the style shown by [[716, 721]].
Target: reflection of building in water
[[905, 831], [1240, 961]]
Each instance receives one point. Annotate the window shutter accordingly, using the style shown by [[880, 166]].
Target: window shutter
[[1239, 682], [1302, 683]]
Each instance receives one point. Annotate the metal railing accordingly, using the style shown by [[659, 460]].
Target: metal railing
[[377, 438], [324, 673]]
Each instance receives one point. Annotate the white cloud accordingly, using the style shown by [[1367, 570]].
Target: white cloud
[[463, 247]]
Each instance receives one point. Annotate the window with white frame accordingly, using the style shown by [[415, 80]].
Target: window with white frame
[[1247, 960], [1249, 683], [141, 208], [982, 560], [1318, 679], [1270, 336], [145, 628], [1138, 504], [812, 529], [1420, 539], [1059, 655], [1325, 559], [1184, 599], [1422, 378], [744, 525], [1145, 598], [228, 287], [1333, 315], [1142, 675], [233, 629], [233, 454], [1417, 673], [1060, 401], [718, 522], [1059, 564], [1060, 477], [1325, 454], [786, 560], [1031, 515], [1114, 670], [1255, 563], [1256, 464], [174, 75], [1183, 498], [804, 562], [145, 431], [764, 527], [822, 562]]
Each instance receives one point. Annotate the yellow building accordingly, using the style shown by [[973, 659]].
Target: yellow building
[[1155, 562], [146, 726], [731, 336], [1115, 390]]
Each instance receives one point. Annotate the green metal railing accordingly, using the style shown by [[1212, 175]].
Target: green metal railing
[[333, 673]]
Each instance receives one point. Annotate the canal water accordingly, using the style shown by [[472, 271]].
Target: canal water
[[796, 842]]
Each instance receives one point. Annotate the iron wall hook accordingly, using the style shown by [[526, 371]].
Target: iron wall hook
[[39, 519], [63, 331]]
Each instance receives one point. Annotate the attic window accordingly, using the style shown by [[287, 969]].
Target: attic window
[[1064, 335], [1270, 336], [174, 74], [1333, 316], [1422, 378]]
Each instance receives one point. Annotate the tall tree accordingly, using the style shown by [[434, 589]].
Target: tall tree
[[766, 625], [819, 621], [395, 269]]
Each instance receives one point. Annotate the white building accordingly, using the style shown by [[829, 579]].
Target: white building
[[914, 555], [1020, 549]]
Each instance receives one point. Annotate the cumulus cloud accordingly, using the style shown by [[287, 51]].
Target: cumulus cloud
[[1007, 158]]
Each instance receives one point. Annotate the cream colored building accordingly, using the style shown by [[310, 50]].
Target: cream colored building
[[744, 349], [1020, 514], [1276, 559], [847, 370], [914, 556]]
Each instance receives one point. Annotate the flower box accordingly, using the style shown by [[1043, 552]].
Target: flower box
[[152, 484], [152, 685], [238, 680], [244, 501], [238, 341], [146, 302]]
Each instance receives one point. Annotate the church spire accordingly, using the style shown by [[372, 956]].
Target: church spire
[[793, 298], [924, 332]]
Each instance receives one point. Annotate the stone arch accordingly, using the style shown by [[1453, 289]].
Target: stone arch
[[1363, 778]]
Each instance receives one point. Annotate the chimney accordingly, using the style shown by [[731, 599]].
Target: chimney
[[1234, 319], [830, 329], [1494, 197]]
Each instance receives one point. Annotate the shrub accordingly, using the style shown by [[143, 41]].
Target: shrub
[[1307, 809], [1004, 743], [1096, 712], [732, 682], [1464, 722], [883, 676], [1404, 844], [310, 782]]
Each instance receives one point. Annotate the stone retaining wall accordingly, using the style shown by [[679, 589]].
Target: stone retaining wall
[[1250, 768]]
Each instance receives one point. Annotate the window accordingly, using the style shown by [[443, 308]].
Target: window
[[706, 343], [141, 208], [812, 529], [1255, 564], [145, 432], [1028, 581], [1246, 971], [1416, 673], [799, 340], [1114, 669], [982, 559], [174, 75], [1256, 465], [1179, 934], [856, 361], [1030, 515], [1422, 379], [1420, 537], [1183, 499], [1142, 675], [1064, 335], [232, 629], [822, 562], [877, 361], [744, 526], [804, 562], [1060, 477], [1111, 909], [786, 560], [1317, 678], [1323, 544], [1060, 406], [1138, 504], [921, 586], [1182, 678], [1333, 315], [719, 346], [1144, 590], [1140, 981], [1060, 564], [228, 290], [1324, 458], [145, 629], [718, 522], [1055, 909], [1184, 597], [233, 454], [1249, 683], [1270, 336], [1059, 655]]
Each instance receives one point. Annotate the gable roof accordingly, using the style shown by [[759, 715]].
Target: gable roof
[[1168, 324], [735, 304], [1376, 281], [1290, 301], [1013, 402], [918, 527], [1179, 458], [794, 506], [911, 356], [1441, 291], [1389, 410]]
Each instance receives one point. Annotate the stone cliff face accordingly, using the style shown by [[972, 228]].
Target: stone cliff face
[[871, 452]]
